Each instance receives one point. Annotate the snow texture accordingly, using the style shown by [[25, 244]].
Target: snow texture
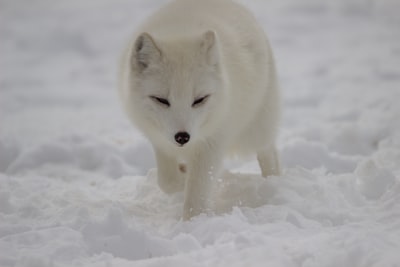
[[77, 181]]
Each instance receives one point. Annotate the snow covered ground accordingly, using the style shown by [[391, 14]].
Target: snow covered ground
[[77, 184]]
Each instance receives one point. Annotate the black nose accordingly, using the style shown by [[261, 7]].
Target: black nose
[[182, 138]]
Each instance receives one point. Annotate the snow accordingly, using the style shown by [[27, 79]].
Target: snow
[[77, 181]]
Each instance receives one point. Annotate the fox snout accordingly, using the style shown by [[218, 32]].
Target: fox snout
[[182, 138]]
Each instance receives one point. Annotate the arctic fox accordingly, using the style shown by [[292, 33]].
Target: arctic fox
[[198, 79]]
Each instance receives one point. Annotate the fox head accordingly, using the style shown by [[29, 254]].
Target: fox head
[[176, 87]]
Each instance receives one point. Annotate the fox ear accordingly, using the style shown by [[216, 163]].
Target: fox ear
[[145, 52], [209, 47]]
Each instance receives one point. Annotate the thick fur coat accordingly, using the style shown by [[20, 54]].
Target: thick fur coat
[[198, 79]]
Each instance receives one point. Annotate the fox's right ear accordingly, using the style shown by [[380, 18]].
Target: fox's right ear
[[145, 52]]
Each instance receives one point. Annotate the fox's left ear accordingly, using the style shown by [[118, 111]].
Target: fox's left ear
[[209, 46]]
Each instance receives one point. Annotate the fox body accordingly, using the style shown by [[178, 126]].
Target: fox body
[[198, 79]]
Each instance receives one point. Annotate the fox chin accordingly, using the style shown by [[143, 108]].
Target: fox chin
[[199, 80]]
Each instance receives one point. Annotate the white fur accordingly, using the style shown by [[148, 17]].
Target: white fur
[[187, 50]]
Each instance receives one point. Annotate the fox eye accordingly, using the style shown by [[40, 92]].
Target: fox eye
[[161, 101], [198, 101]]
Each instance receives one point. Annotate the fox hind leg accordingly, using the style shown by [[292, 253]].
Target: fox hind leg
[[269, 161]]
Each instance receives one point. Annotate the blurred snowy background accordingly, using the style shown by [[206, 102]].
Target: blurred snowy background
[[76, 185]]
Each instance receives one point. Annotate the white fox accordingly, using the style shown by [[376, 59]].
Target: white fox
[[199, 81]]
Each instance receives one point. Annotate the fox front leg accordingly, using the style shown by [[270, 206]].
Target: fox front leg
[[170, 178], [204, 166]]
